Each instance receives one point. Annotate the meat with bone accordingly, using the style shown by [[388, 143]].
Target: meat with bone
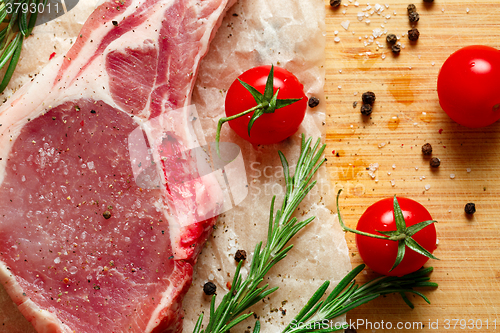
[[84, 246]]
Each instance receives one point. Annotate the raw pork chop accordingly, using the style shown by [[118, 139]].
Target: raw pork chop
[[85, 246]]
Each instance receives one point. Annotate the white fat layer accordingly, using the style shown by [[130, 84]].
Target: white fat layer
[[44, 321]]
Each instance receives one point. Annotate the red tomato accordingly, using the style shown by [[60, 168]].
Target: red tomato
[[468, 86], [379, 254], [270, 127]]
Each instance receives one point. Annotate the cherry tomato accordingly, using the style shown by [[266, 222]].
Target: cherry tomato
[[270, 127], [380, 254], [468, 86]]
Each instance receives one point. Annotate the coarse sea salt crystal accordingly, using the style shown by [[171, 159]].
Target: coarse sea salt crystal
[[356, 4], [345, 24], [377, 32], [394, 166], [336, 39], [469, 170], [452, 176], [57, 260], [393, 183], [372, 168], [427, 187], [361, 16]]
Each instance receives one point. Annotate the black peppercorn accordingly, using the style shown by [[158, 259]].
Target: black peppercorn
[[396, 49], [115, 23], [366, 109], [240, 255], [413, 34], [354, 104], [414, 17], [107, 215], [391, 39], [470, 208], [313, 102], [209, 288], [435, 162], [411, 8], [427, 149], [335, 3], [368, 97]]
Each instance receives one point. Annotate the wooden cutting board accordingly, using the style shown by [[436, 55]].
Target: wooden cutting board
[[406, 115]]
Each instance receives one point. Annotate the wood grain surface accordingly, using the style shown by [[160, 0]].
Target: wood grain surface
[[406, 115]]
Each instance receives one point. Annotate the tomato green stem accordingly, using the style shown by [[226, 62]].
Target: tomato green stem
[[346, 228], [403, 234]]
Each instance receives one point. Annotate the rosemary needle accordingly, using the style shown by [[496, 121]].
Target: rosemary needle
[[282, 227], [17, 20]]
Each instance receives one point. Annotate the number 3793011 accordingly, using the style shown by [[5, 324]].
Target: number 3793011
[[24, 7], [469, 324]]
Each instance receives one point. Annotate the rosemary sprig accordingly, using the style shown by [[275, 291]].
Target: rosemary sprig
[[282, 227], [17, 20], [346, 296]]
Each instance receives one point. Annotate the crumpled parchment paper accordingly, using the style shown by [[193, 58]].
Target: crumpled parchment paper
[[286, 33]]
